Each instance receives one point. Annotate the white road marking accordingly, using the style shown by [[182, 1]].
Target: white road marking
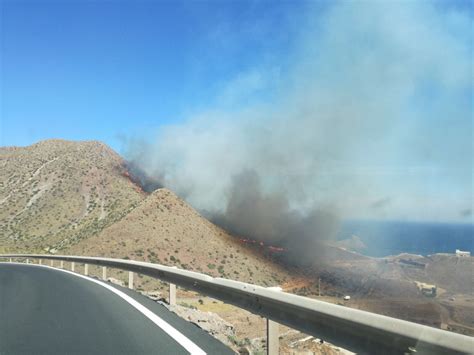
[[167, 328]]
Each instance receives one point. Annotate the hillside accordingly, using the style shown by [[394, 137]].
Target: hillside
[[56, 193], [77, 197], [166, 230]]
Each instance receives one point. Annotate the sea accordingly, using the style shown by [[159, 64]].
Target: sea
[[384, 238]]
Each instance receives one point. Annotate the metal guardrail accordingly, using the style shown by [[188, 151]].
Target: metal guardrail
[[355, 330]]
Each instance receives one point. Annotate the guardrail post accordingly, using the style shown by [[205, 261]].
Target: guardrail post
[[104, 273], [10, 259], [130, 280], [86, 269], [61, 265], [172, 295], [52, 263], [357, 331], [273, 340], [40, 262]]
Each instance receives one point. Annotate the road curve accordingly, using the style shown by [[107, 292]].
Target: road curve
[[49, 311]]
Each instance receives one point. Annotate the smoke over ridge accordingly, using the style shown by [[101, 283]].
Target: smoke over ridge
[[364, 97]]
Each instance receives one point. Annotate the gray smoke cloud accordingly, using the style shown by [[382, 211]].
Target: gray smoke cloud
[[269, 217], [345, 120]]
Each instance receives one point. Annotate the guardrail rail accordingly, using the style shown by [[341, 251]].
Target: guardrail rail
[[355, 330]]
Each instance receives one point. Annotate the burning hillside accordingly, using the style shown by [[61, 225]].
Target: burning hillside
[[136, 185], [140, 178], [262, 246]]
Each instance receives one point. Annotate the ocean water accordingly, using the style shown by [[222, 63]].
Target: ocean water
[[392, 238]]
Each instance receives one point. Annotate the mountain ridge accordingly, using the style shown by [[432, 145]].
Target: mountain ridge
[[79, 197], [54, 192]]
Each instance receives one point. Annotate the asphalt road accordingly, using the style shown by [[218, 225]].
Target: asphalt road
[[48, 311]]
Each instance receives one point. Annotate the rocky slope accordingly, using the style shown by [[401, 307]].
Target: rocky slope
[[166, 230], [56, 193], [77, 197]]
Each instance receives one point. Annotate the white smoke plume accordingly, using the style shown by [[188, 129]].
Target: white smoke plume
[[376, 93]]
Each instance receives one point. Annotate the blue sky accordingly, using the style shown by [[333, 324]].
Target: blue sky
[[340, 104], [108, 69]]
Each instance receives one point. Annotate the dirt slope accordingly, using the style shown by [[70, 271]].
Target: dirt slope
[[164, 229], [55, 193]]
